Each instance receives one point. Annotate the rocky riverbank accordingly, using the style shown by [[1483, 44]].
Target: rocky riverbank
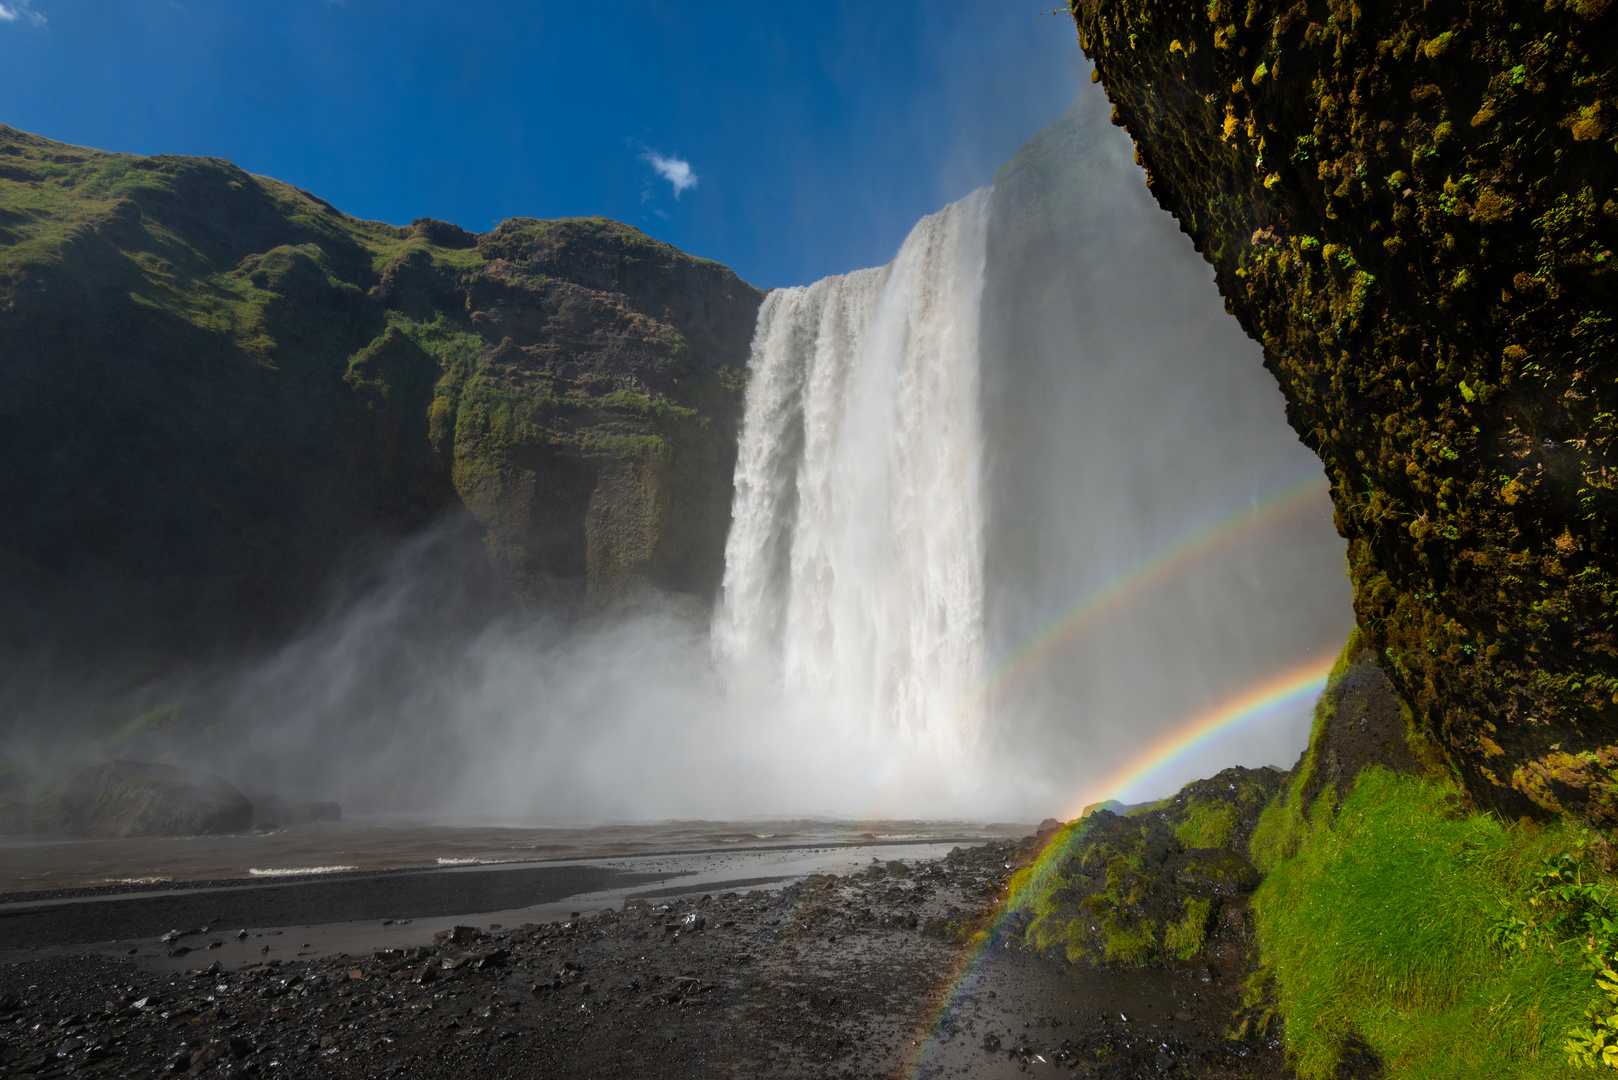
[[900, 969]]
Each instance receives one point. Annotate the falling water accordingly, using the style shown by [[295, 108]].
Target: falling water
[[854, 567]]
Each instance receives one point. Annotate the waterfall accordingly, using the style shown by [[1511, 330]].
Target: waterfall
[[854, 565]]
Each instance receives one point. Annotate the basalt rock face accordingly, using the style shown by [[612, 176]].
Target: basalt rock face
[[628, 356], [1413, 209], [219, 388]]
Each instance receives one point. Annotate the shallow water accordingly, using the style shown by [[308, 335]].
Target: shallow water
[[54, 862]]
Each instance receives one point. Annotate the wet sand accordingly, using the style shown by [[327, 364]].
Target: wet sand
[[363, 844], [812, 962]]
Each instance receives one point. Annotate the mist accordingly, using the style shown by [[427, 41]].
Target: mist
[[400, 701], [1125, 413], [1122, 412], [1039, 397]]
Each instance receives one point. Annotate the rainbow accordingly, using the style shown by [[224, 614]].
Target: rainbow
[[1145, 574], [1120, 589], [1290, 687]]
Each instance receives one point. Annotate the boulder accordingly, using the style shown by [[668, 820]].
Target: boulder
[[137, 798]]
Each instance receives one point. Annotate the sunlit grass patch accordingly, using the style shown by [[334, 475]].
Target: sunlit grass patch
[[1207, 825], [1428, 931]]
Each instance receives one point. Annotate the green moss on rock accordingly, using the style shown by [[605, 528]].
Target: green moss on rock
[[1413, 209], [1149, 885]]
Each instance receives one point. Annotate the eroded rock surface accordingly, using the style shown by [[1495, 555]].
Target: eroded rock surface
[[1412, 207]]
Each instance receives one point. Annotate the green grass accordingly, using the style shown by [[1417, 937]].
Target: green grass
[[649, 407], [1386, 917], [1133, 945], [1387, 922], [1185, 938], [1207, 825], [1281, 827], [455, 348]]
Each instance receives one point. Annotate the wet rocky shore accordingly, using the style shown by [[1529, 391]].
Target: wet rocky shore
[[897, 970]]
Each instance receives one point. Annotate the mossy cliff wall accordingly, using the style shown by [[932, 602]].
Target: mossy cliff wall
[[218, 387], [1412, 207]]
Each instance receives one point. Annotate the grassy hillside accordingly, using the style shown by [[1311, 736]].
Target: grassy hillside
[[219, 387]]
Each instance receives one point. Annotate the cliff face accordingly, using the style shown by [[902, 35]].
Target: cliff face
[[1413, 209], [218, 387]]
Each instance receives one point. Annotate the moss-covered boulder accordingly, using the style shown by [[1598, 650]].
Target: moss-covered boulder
[[1413, 208], [1151, 884]]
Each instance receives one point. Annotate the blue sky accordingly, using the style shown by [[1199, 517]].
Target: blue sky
[[816, 133]]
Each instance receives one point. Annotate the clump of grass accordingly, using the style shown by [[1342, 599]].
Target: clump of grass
[[1184, 939], [1207, 825], [455, 347], [1426, 930], [1132, 945]]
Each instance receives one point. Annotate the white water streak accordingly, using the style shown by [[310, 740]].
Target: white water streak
[[854, 567]]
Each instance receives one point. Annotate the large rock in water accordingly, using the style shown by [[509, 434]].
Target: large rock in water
[[1412, 207], [136, 798]]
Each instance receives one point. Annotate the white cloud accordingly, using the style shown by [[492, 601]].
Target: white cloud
[[674, 170], [23, 10]]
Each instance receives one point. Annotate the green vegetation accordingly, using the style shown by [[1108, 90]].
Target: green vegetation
[[1281, 828], [1185, 938], [455, 348], [1148, 885], [1454, 943], [1426, 930], [1206, 825], [254, 380]]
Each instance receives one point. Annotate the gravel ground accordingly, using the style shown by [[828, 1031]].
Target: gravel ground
[[868, 975]]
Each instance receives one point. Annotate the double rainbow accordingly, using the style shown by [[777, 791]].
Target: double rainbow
[[1256, 701], [1261, 699], [1211, 540]]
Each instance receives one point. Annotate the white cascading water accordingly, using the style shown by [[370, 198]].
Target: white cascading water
[[854, 566]]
